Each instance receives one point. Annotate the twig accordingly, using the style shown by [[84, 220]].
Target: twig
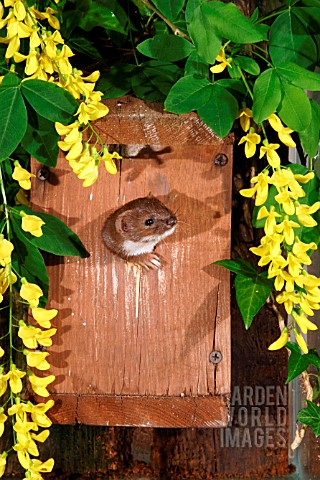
[[173, 27], [306, 386]]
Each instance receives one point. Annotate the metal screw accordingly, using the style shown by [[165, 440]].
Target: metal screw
[[221, 160], [43, 173], [215, 357]]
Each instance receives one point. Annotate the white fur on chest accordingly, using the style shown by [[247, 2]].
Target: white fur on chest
[[144, 246]]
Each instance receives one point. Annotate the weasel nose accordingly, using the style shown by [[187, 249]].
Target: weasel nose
[[172, 221]]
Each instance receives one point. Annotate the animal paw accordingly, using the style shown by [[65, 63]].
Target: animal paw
[[148, 261]]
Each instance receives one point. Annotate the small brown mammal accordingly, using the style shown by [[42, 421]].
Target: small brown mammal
[[133, 231]]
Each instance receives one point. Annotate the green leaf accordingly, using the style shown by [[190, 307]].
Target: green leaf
[[290, 42], [310, 136], [230, 23], [107, 14], [191, 7], [117, 81], [167, 48], [10, 80], [153, 80], [310, 17], [57, 237], [247, 64], [86, 47], [41, 141], [49, 100], [310, 416], [298, 363], [266, 95], [169, 8], [295, 108], [28, 262], [234, 86], [238, 266], [220, 112], [195, 65], [251, 294], [299, 76], [204, 35], [13, 120], [189, 93]]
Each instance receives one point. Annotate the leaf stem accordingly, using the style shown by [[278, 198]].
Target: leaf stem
[[173, 27], [245, 82]]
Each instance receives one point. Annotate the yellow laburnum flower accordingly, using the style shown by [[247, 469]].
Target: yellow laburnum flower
[[65, 129], [91, 111], [22, 176], [286, 227], [281, 341], [304, 213], [300, 248], [270, 151], [43, 316], [6, 249], [38, 413], [282, 277], [21, 198], [251, 141], [294, 265], [284, 199], [300, 340], [308, 281], [3, 419], [6, 277], [261, 188], [3, 382], [38, 467], [3, 463], [283, 132], [32, 336], [224, 62], [288, 299], [32, 224], [37, 360], [2, 352], [244, 115], [15, 376], [39, 384], [286, 178], [304, 178], [107, 158], [270, 225], [303, 322], [285, 137], [30, 292]]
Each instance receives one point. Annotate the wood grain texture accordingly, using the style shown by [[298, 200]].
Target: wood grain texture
[[140, 411], [104, 345]]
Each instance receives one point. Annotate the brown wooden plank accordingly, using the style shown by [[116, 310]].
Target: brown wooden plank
[[104, 345], [132, 121], [205, 412]]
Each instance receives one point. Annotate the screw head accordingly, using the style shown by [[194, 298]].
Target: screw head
[[215, 357], [221, 160], [43, 173]]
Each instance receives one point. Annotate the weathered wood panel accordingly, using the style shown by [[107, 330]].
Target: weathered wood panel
[[121, 334]]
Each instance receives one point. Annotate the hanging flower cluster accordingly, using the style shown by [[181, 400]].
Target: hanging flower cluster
[[30, 422], [281, 248], [48, 60]]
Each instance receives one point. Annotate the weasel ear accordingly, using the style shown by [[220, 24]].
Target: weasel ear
[[121, 223]]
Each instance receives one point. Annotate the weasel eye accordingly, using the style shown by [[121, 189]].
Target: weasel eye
[[149, 222]]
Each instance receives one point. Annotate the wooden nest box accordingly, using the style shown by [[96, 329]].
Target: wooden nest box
[[155, 350]]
